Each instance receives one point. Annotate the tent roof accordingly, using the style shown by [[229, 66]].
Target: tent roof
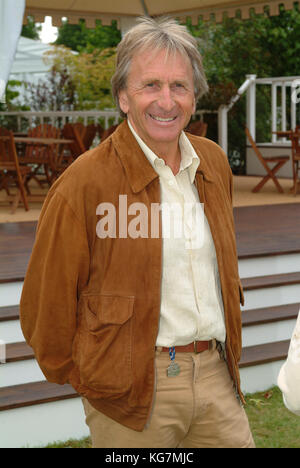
[[90, 10], [29, 57]]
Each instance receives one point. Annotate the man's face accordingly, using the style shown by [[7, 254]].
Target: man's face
[[159, 97]]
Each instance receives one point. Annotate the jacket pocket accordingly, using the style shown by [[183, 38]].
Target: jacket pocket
[[105, 350]]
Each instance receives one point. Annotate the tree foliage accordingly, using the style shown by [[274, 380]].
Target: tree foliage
[[31, 29], [264, 45], [82, 65], [80, 38], [76, 82]]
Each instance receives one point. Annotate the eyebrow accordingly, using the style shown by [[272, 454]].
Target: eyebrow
[[157, 80]]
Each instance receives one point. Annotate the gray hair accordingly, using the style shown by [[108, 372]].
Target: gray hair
[[164, 33]]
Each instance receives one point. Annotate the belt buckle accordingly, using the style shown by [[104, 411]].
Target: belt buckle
[[195, 348]]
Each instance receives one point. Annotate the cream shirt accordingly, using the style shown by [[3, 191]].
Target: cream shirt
[[289, 375], [191, 300]]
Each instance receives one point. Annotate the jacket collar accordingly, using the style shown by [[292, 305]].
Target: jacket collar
[[138, 169]]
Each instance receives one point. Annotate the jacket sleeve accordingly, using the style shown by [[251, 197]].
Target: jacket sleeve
[[58, 269], [289, 375]]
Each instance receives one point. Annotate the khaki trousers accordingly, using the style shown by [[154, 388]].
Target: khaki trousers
[[197, 408]]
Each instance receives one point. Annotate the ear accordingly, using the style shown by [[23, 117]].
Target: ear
[[123, 101]]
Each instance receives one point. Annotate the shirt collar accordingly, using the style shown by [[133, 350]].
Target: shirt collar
[[189, 158]]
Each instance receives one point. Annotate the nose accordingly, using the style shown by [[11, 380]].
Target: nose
[[165, 99]]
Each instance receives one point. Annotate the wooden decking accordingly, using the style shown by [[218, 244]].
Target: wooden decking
[[260, 231], [16, 242], [267, 230]]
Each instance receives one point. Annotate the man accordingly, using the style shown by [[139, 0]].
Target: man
[[289, 376], [138, 318]]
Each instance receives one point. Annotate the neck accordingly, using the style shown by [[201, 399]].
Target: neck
[[171, 158], [168, 151]]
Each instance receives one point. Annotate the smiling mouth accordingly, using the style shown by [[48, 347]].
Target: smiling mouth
[[161, 119]]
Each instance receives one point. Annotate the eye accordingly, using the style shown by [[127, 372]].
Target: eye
[[178, 87], [151, 85]]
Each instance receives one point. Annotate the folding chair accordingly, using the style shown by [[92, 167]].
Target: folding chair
[[75, 132], [295, 137], [279, 161], [41, 157], [109, 131], [10, 171]]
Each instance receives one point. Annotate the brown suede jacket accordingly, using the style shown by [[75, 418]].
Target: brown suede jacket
[[90, 306]]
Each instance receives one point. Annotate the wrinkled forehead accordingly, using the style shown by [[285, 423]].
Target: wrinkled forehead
[[161, 53], [147, 60]]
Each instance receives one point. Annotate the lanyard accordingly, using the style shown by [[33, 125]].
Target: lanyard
[[172, 353], [173, 370]]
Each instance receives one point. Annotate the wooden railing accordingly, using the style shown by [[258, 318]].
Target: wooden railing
[[279, 109], [60, 118], [28, 119]]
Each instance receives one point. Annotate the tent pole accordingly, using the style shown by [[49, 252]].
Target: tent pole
[[145, 7]]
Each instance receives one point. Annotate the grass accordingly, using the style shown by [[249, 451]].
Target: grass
[[72, 443], [272, 425]]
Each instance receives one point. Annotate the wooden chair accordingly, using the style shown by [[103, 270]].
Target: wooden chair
[[295, 138], [197, 127], [42, 158], [75, 132], [71, 151], [100, 131], [279, 161], [11, 173], [108, 132], [84, 134], [89, 135]]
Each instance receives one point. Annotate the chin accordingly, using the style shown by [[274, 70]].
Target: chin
[[165, 134]]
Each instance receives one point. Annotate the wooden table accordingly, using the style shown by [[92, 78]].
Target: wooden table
[[287, 134], [283, 133], [42, 141], [54, 151]]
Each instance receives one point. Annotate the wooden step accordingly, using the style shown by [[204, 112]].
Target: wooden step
[[34, 393], [262, 354], [270, 314], [44, 392], [249, 317], [9, 313], [271, 281], [18, 352]]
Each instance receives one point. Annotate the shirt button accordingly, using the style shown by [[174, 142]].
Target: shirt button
[[171, 183], [160, 162]]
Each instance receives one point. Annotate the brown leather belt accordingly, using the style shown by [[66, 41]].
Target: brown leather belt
[[195, 347]]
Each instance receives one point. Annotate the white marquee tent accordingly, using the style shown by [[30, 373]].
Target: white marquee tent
[[29, 64], [14, 12], [106, 11], [11, 17]]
